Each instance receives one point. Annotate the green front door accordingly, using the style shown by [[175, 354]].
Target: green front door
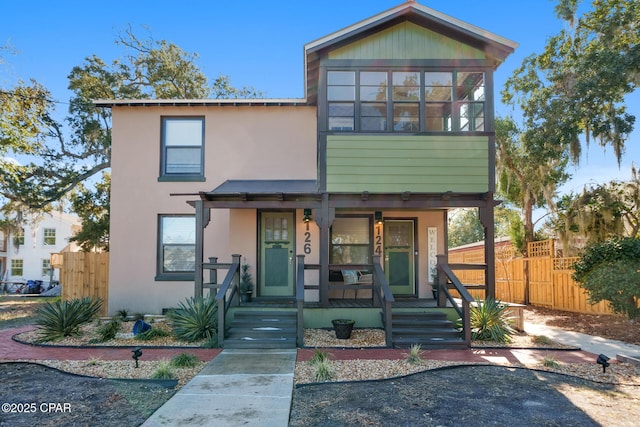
[[399, 256], [276, 254]]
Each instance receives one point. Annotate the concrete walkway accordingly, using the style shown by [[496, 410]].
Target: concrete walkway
[[589, 343], [237, 388]]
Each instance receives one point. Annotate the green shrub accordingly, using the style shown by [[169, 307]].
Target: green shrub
[[62, 319], [550, 361], [489, 321], [610, 271], [541, 339], [163, 371], [319, 356], [194, 320], [211, 343], [323, 370], [123, 314], [184, 360], [152, 334], [108, 330], [415, 354]]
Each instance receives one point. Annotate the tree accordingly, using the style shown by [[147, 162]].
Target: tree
[[62, 155], [610, 271], [577, 86], [601, 212], [93, 209], [465, 227], [528, 172]]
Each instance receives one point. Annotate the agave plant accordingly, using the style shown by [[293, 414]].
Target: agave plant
[[489, 321], [195, 319], [62, 319]]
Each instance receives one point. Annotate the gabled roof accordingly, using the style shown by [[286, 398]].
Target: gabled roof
[[496, 47]]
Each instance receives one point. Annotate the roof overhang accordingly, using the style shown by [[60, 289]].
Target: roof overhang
[[284, 102], [292, 194]]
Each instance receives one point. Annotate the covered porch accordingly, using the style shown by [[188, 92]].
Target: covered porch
[[316, 294]]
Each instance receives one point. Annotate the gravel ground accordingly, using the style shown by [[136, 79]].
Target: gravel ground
[[362, 369], [422, 398], [465, 396]]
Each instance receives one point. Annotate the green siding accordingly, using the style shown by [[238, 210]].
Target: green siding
[[420, 164], [407, 41]]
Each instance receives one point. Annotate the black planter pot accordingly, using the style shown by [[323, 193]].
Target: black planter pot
[[246, 297], [343, 328]]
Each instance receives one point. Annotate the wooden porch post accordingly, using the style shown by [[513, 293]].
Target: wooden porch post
[[324, 221], [202, 220], [487, 220]]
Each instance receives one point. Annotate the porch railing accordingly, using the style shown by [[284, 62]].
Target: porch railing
[[227, 291], [447, 276], [385, 298]]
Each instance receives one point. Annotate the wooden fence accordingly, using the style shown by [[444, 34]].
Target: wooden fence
[[550, 282], [83, 274]]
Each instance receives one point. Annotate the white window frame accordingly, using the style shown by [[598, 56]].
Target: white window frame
[[48, 233]]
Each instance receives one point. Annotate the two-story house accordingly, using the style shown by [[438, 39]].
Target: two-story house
[[338, 201], [25, 251]]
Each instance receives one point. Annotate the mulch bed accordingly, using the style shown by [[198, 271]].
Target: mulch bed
[[63, 399]]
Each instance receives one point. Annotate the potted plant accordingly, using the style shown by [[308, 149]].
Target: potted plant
[[246, 283], [343, 328]]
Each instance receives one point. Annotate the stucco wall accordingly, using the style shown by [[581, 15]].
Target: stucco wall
[[240, 143]]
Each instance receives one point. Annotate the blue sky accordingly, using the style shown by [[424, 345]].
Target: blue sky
[[259, 44]]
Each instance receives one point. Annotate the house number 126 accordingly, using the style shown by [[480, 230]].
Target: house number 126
[[307, 241]]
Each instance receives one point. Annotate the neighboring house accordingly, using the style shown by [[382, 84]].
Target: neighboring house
[[396, 127], [26, 254]]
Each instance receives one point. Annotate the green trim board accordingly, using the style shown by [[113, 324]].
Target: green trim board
[[398, 163], [407, 41]]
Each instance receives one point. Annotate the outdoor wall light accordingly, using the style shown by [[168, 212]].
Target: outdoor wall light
[[307, 215], [137, 353], [604, 361], [378, 217]]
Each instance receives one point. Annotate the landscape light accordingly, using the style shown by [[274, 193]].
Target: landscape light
[[604, 361], [137, 353]]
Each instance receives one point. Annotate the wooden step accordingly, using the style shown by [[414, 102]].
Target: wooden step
[[429, 329], [262, 329]]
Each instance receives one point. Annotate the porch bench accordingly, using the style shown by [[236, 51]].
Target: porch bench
[[355, 281]]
